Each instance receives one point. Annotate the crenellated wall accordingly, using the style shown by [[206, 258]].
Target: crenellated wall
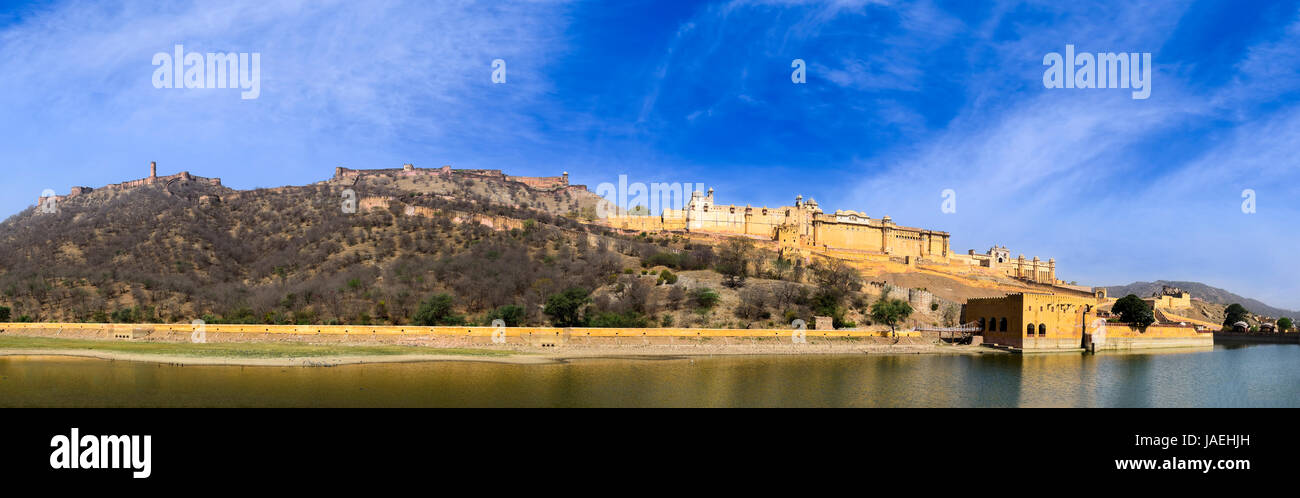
[[546, 183], [801, 228], [152, 179]]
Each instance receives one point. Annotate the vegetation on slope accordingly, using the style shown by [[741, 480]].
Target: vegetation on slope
[[293, 256]]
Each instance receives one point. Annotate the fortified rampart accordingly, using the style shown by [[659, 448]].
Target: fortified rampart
[[543, 183], [152, 179], [800, 230], [1170, 298], [998, 258]]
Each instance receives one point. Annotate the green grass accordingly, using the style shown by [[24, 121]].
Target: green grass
[[234, 350]]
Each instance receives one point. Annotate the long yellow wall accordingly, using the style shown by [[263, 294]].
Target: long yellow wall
[[1115, 330], [444, 331]]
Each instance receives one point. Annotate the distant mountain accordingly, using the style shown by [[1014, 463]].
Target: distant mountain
[[1201, 291]]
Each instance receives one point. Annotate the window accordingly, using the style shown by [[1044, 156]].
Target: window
[[982, 325], [1002, 325], [1029, 329], [1042, 329]]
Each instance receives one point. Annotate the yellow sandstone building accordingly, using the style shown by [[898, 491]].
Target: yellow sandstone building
[[1045, 322], [803, 228], [798, 227]]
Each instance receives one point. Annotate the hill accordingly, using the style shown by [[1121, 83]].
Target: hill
[[1207, 293], [496, 246]]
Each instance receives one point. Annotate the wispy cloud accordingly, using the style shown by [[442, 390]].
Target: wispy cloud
[[903, 100], [334, 75]]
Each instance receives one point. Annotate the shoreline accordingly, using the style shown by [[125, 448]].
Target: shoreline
[[231, 361], [516, 356]]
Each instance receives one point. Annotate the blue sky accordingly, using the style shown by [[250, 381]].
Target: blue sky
[[902, 101]]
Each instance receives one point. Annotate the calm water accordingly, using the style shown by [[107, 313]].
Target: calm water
[[1259, 375]]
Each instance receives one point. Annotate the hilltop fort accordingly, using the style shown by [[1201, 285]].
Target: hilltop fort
[[803, 229], [152, 179], [541, 183]]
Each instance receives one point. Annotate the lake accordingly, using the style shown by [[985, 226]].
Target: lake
[[1266, 375]]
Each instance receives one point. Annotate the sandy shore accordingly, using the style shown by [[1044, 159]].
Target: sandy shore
[[518, 358], [301, 351], [321, 361]]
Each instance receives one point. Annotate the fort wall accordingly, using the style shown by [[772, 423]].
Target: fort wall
[[543, 183], [152, 179], [800, 230]]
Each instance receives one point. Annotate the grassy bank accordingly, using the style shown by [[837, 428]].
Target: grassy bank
[[233, 350]]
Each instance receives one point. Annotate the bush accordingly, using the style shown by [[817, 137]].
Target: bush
[[628, 319], [733, 261], [671, 260], [667, 277], [124, 315], [436, 310], [511, 314], [4, 313], [705, 298]]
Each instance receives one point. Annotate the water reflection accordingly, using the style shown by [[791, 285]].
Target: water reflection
[[1258, 375]]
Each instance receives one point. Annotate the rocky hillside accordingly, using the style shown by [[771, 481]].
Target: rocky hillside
[[178, 252]]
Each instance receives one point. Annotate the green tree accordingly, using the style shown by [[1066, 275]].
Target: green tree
[[512, 314], [124, 315], [1132, 309], [825, 302], [566, 308], [1283, 324], [436, 310], [1235, 313], [4, 313], [890, 312]]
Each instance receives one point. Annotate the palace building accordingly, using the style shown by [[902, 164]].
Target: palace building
[[800, 227]]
